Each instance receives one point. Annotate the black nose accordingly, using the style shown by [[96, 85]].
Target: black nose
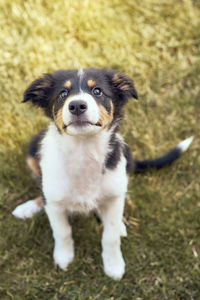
[[77, 107]]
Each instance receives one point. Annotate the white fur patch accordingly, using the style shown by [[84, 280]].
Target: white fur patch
[[184, 145], [80, 75], [26, 210], [114, 265], [63, 257]]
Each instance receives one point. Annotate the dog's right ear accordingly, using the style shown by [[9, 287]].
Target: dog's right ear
[[39, 91]]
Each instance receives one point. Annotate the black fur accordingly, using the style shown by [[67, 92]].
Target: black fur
[[121, 96], [39, 93], [34, 145], [157, 163], [129, 160], [113, 157], [43, 197]]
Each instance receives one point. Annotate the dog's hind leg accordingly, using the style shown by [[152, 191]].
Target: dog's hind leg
[[33, 164], [29, 208]]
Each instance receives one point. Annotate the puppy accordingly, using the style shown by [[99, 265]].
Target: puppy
[[82, 162]]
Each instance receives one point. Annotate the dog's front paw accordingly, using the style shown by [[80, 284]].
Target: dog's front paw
[[63, 256], [114, 265], [26, 210]]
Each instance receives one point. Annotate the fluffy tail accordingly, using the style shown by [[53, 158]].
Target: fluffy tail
[[164, 160]]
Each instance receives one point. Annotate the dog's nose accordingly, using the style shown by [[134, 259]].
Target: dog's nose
[[77, 107]]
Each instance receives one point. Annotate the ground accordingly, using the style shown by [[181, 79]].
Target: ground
[[157, 44]]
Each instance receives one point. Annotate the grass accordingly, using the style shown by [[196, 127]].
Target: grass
[[156, 43]]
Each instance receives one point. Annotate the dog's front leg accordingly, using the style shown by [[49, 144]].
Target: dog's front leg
[[63, 249], [111, 214]]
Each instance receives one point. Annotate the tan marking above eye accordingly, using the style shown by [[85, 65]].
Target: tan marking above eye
[[68, 84], [91, 83]]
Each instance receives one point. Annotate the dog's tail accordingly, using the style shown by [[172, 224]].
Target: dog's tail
[[164, 160]]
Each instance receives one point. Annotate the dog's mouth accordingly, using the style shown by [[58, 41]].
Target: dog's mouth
[[80, 123]]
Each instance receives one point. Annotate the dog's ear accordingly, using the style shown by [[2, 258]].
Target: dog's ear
[[122, 86], [39, 91]]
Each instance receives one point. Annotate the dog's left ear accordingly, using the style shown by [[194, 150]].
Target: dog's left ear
[[122, 86]]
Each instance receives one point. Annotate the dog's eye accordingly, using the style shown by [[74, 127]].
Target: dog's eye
[[97, 91], [63, 95]]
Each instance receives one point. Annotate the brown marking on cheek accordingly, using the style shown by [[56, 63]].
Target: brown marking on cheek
[[34, 166], [91, 83], [58, 119], [105, 118], [39, 201], [68, 84]]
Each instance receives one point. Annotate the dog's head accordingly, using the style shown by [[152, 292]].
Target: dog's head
[[82, 102]]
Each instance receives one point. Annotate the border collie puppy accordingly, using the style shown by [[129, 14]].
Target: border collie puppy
[[83, 164]]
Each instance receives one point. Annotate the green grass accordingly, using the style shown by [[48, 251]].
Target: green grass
[[157, 43]]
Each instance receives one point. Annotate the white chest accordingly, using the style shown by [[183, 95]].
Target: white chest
[[72, 173], [81, 182]]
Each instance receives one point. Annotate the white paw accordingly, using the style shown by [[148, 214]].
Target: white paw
[[26, 210], [63, 256], [123, 230], [114, 265]]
